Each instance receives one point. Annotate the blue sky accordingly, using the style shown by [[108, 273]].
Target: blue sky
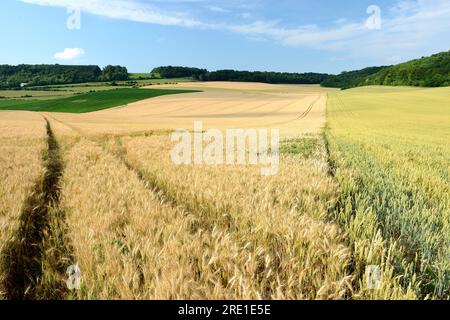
[[282, 35]]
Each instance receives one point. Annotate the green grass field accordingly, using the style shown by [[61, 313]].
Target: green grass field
[[134, 79], [32, 94], [138, 76], [67, 90], [390, 152], [88, 102]]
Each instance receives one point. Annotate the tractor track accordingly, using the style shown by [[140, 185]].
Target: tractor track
[[25, 254]]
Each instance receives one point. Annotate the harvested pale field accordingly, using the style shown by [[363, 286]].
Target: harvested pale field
[[247, 86], [293, 109]]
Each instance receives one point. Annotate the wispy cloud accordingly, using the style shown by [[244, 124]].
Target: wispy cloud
[[69, 54], [217, 9], [407, 25], [122, 9], [408, 22]]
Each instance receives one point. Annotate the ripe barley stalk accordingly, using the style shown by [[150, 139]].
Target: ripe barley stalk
[[36, 257], [275, 257]]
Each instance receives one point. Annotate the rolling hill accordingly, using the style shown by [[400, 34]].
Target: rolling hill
[[433, 71]]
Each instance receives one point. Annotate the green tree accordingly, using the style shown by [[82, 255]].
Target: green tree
[[114, 73]]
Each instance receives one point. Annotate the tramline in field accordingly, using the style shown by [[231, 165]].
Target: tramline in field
[[139, 226]]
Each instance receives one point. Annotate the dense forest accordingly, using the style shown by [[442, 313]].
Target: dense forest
[[245, 76], [431, 71], [114, 73], [38, 75], [266, 77], [350, 79], [170, 72]]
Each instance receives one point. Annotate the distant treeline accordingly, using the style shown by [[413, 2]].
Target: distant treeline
[[431, 71], [350, 79], [114, 73], [170, 72], [266, 77], [40, 75], [245, 76]]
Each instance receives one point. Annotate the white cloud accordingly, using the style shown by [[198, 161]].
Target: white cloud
[[415, 26], [69, 54], [411, 27], [121, 9]]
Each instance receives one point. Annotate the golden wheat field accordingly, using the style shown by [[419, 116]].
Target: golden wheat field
[[99, 191], [22, 142], [236, 105]]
